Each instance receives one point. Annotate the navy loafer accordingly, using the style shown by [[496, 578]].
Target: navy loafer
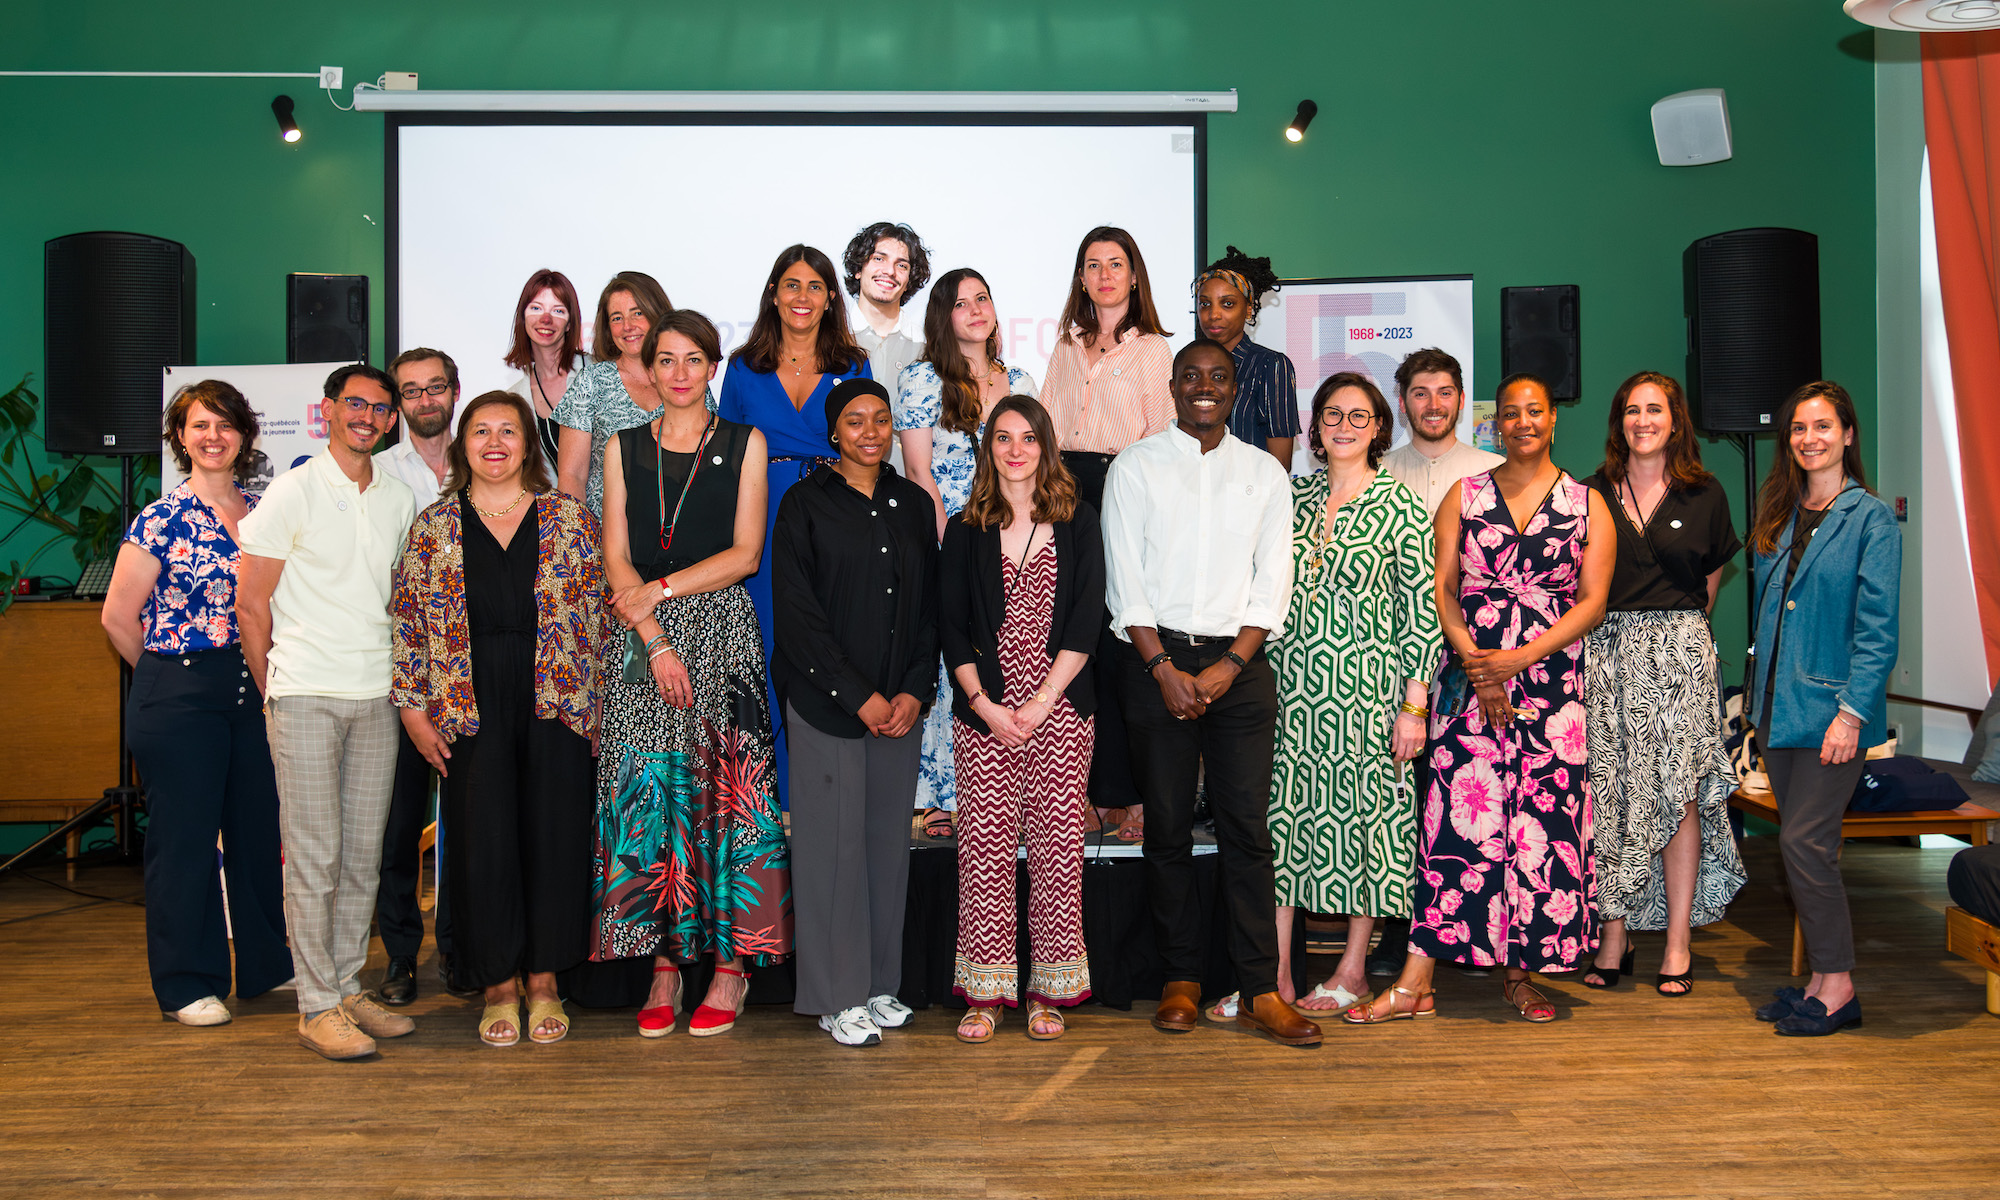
[[1810, 1019], [1780, 1008]]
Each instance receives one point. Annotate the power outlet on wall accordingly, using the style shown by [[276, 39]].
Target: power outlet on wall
[[329, 77]]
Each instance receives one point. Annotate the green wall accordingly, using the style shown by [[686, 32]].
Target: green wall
[[1507, 140]]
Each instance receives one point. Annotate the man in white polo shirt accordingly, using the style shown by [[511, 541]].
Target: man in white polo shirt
[[312, 602]]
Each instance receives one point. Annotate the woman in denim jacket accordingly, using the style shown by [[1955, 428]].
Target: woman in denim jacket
[[1829, 563]]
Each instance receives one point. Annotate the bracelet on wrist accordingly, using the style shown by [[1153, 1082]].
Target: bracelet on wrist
[[1156, 660], [1856, 724], [1236, 658], [653, 654], [975, 697], [654, 642], [1416, 710]]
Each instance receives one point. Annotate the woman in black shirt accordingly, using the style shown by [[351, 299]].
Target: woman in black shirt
[[1665, 856], [854, 616]]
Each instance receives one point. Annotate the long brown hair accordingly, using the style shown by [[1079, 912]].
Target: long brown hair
[[1785, 485], [961, 391], [1080, 314], [1684, 469], [834, 345], [646, 293], [534, 468], [1055, 487], [522, 356]]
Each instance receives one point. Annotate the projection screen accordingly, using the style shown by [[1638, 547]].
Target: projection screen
[[705, 201]]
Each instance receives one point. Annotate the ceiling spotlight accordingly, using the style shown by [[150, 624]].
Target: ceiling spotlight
[[1296, 131], [287, 128]]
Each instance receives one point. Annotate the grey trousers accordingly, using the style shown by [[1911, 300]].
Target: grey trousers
[[1811, 800], [850, 863], [336, 762]]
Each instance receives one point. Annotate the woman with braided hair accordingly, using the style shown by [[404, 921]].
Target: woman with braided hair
[[1226, 298]]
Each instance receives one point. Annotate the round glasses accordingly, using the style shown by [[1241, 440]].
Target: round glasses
[[1335, 417]]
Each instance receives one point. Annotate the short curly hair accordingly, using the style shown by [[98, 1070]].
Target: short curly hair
[[226, 402], [863, 245]]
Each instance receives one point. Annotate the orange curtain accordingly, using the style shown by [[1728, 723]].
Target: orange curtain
[[1962, 132]]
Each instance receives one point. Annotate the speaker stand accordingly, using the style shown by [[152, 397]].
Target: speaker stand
[[1747, 442]]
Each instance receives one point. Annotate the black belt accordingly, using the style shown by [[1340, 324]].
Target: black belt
[[1194, 639]]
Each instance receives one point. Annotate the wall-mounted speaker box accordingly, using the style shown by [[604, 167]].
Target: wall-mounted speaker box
[[1692, 128], [1539, 335], [1752, 302], [117, 309], [326, 318]]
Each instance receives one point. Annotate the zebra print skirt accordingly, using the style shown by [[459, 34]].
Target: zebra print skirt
[[1655, 739]]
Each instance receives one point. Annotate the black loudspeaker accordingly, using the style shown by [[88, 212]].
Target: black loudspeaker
[[326, 318], [1538, 335], [117, 308], [1752, 300]]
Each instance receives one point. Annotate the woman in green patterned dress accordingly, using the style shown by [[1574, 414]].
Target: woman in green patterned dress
[[1354, 671]]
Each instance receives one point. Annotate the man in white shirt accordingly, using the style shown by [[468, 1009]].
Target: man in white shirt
[[312, 602], [1431, 387], [426, 399], [885, 264], [1197, 538]]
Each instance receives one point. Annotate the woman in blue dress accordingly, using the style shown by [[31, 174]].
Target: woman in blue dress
[[778, 381], [946, 395]]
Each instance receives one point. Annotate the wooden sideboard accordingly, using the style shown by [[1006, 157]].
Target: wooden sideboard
[[59, 738]]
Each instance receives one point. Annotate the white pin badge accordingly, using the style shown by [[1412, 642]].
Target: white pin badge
[[1676, 524]]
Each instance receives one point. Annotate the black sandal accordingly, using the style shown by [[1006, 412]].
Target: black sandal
[[1609, 976], [1685, 979]]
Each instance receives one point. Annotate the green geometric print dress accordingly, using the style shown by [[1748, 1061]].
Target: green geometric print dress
[[1363, 620]]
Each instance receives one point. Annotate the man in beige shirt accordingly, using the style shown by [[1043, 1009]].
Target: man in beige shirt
[[312, 601], [1432, 390]]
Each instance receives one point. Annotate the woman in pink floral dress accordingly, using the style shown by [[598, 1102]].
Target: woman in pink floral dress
[[1504, 875]]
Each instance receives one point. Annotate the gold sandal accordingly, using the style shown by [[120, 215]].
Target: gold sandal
[[1536, 1010], [1038, 1011], [497, 1015], [977, 1025], [546, 1010], [1365, 1014]]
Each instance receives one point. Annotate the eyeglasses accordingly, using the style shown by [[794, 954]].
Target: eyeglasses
[[1357, 418], [412, 391], [355, 405]]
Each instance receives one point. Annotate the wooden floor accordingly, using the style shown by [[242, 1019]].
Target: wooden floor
[[1627, 1095]]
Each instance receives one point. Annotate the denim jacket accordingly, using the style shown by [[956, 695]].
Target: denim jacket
[[1839, 621]]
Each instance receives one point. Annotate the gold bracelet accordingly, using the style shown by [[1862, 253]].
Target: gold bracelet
[[1414, 710]]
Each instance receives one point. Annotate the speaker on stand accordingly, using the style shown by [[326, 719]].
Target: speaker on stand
[[118, 309], [1752, 303], [326, 318]]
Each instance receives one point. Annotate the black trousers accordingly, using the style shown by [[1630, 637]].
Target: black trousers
[[1111, 783], [195, 723], [1234, 742], [521, 803], [398, 916]]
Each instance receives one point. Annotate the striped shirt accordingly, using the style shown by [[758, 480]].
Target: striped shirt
[[1106, 405], [1267, 394]]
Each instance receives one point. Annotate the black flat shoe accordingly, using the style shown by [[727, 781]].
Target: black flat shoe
[[1780, 1006], [399, 985], [1608, 977], [448, 971], [1810, 1019]]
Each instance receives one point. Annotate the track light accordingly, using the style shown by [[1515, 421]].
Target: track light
[[1296, 131], [287, 128]]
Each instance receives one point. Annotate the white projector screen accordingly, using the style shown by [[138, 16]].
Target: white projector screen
[[704, 204]]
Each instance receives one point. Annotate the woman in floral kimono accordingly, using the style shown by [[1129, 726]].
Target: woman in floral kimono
[[1504, 874]]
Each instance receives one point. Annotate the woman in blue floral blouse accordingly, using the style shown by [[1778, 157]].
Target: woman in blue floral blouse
[[195, 724]]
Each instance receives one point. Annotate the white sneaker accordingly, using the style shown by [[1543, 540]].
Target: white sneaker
[[889, 1012], [852, 1027], [205, 1011]]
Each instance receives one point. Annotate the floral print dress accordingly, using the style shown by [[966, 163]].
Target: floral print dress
[[1504, 870]]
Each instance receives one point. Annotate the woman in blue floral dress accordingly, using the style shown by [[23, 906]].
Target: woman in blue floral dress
[[1504, 874], [946, 395]]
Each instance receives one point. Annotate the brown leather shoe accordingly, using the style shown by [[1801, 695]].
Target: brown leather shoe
[[1277, 1020], [374, 1020], [332, 1035], [1180, 1008]]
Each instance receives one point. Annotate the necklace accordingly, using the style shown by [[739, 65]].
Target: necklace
[[503, 512], [1640, 519], [797, 370]]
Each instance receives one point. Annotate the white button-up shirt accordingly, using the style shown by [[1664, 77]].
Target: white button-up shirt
[[402, 461], [1197, 542], [1433, 478], [330, 613]]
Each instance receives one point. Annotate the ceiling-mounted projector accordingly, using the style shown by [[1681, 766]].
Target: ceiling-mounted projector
[[1930, 16]]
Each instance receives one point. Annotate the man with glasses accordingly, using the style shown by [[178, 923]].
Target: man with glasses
[[1431, 387], [312, 601], [427, 398]]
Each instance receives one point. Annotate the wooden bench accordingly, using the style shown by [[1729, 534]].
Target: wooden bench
[[1971, 938], [1969, 821]]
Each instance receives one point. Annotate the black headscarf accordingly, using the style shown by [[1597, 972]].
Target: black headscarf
[[844, 393]]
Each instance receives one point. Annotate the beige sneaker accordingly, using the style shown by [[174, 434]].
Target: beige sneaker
[[375, 1020], [332, 1035]]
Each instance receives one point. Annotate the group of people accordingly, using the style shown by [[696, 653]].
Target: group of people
[[628, 623]]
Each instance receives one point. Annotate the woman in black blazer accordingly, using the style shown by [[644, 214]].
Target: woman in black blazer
[[1021, 600]]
